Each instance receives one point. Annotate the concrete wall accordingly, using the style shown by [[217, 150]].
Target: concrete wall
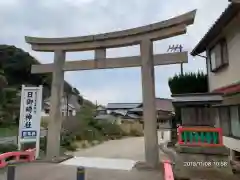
[[231, 143], [166, 135], [192, 116], [230, 74]]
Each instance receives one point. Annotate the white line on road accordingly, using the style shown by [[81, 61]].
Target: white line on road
[[101, 163]]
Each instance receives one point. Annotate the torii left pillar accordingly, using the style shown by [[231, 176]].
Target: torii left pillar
[[53, 136]]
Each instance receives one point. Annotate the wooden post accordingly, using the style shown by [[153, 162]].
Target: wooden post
[[149, 104], [55, 123]]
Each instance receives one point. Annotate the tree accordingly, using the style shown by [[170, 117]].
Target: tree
[[12, 104], [17, 63], [189, 83], [3, 84], [9, 101]]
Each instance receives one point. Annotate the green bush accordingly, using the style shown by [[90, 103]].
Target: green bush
[[67, 139], [8, 148], [67, 142], [43, 144], [100, 131], [71, 147], [89, 133], [110, 130], [134, 132]]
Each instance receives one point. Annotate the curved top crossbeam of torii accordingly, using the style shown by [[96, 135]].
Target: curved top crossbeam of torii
[[156, 31]]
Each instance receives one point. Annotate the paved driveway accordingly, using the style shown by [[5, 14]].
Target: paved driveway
[[128, 148], [120, 154], [114, 160]]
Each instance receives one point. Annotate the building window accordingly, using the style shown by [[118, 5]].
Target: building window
[[218, 55], [235, 121], [224, 118]]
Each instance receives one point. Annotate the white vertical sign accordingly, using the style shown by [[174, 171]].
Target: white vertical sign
[[30, 116]]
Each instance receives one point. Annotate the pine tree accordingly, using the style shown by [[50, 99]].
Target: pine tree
[[189, 83]]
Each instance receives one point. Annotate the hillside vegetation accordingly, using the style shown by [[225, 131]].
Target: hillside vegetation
[[15, 70]]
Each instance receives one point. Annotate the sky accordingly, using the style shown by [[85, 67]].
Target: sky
[[64, 18]]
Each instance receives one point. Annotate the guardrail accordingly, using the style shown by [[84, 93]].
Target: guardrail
[[168, 165], [16, 157], [200, 136], [168, 171]]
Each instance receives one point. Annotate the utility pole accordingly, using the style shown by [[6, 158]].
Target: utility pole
[[175, 48]]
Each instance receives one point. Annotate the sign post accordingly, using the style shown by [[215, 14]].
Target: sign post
[[30, 117]]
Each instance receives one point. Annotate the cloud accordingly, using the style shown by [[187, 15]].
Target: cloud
[[83, 17]]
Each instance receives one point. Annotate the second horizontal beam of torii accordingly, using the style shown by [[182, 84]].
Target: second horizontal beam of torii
[[108, 63]]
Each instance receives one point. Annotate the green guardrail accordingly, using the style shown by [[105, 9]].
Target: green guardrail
[[198, 136]]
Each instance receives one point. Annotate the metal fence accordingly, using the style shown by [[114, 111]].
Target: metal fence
[[8, 140], [14, 139]]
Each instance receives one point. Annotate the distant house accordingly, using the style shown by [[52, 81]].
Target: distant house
[[101, 111], [121, 107], [134, 111], [130, 115], [165, 112], [67, 110], [102, 115]]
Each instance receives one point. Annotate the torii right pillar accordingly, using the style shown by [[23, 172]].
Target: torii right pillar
[[149, 104]]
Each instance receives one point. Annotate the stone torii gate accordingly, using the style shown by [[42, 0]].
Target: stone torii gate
[[144, 36]]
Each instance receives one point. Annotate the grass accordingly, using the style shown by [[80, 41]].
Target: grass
[[8, 131]]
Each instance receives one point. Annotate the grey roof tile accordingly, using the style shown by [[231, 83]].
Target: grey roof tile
[[122, 105], [162, 104]]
